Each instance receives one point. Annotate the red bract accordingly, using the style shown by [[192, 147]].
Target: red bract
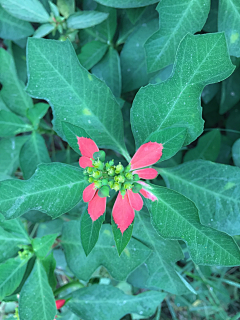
[[127, 200], [60, 303]]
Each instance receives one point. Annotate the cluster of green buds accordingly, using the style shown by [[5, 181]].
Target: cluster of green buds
[[26, 253], [106, 176]]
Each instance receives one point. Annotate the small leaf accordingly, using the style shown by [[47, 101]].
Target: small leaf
[[12, 28], [200, 60], [104, 253], [54, 189], [134, 14], [208, 147], [91, 53], [110, 303], [236, 153], [11, 124], [41, 246], [90, 231], [127, 4], [106, 30], [214, 188], [176, 217], [36, 113], [121, 240], [85, 19], [33, 153], [43, 30], [29, 10], [11, 274], [49, 264], [36, 297]]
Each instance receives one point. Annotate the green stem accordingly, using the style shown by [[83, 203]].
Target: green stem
[[68, 285]]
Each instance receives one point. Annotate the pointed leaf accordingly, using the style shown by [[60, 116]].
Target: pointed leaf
[[41, 246], [33, 152], [214, 188], [69, 100], [127, 4], [85, 19], [200, 60], [54, 189], [36, 297], [121, 240], [99, 301], [15, 226], [49, 264], [43, 30], [104, 253], [176, 217], [66, 7], [37, 113], [71, 133], [91, 53], [176, 19], [11, 124]]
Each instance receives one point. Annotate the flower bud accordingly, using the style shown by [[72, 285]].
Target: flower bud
[[111, 183], [128, 185], [90, 179], [119, 168], [98, 164], [111, 162], [128, 168], [99, 155], [85, 173], [103, 192], [129, 175], [123, 192], [111, 172], [97, 174], [136, 177], [136, 187], [121, 178], [116, 186], [89, 170], [98, 184], [104, 182]]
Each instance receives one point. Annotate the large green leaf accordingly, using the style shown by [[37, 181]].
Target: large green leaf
[[133, 57], [33, 152], [109, 303], [126, 4], [176, 217], [236, 153], [11, 124], [91, 53], [36, 297], [12, 93], [11, 274], [29, 10], [208, 147], [103, 254], [229, 23], [230, 93], [54, 189], [15, 226], [213, 187], [10, 149], [85, 19], [75, 95], [158, 270], [12, 28], [200, 60], [106, 30], [176, 19], [41, 246], [108, 70], [10, 244]]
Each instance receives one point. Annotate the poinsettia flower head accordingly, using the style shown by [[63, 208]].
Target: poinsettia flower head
[[126, 181]]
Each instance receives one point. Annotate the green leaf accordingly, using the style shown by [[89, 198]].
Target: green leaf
[[109, 70], [43, 30], [9, 244], [37, 113], [176, 20], [49, 227], [121, 240], [126, 4], [230, 24], [3, 105], [214, 188], [41, 246], [12, 28], [13, 93], [11, 274], [66, 7], [33, 152], [133, 57], [171, 138], [89, 231], [29, 10], [200, 60], [208, 147], [11, 124], [230, 93], [90, 111], [236, 153], [36, 298], [71, 133], [19, 55], [104, 253], [106, 30], [49, 264], [134, 14], [110, 303], [15, 226], [54, 189], [10, 148], [176, 217], [158, 270], [91, 53], [210, 91], [85, 19]]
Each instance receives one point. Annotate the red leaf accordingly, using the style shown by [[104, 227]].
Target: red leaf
[[135, 200], [60, 303], [87, 146], [146, 155], [96, 207], [148, 173], [89, 192], [85, 162]]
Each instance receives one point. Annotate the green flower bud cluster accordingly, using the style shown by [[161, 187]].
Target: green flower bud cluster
[[106, 176]]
